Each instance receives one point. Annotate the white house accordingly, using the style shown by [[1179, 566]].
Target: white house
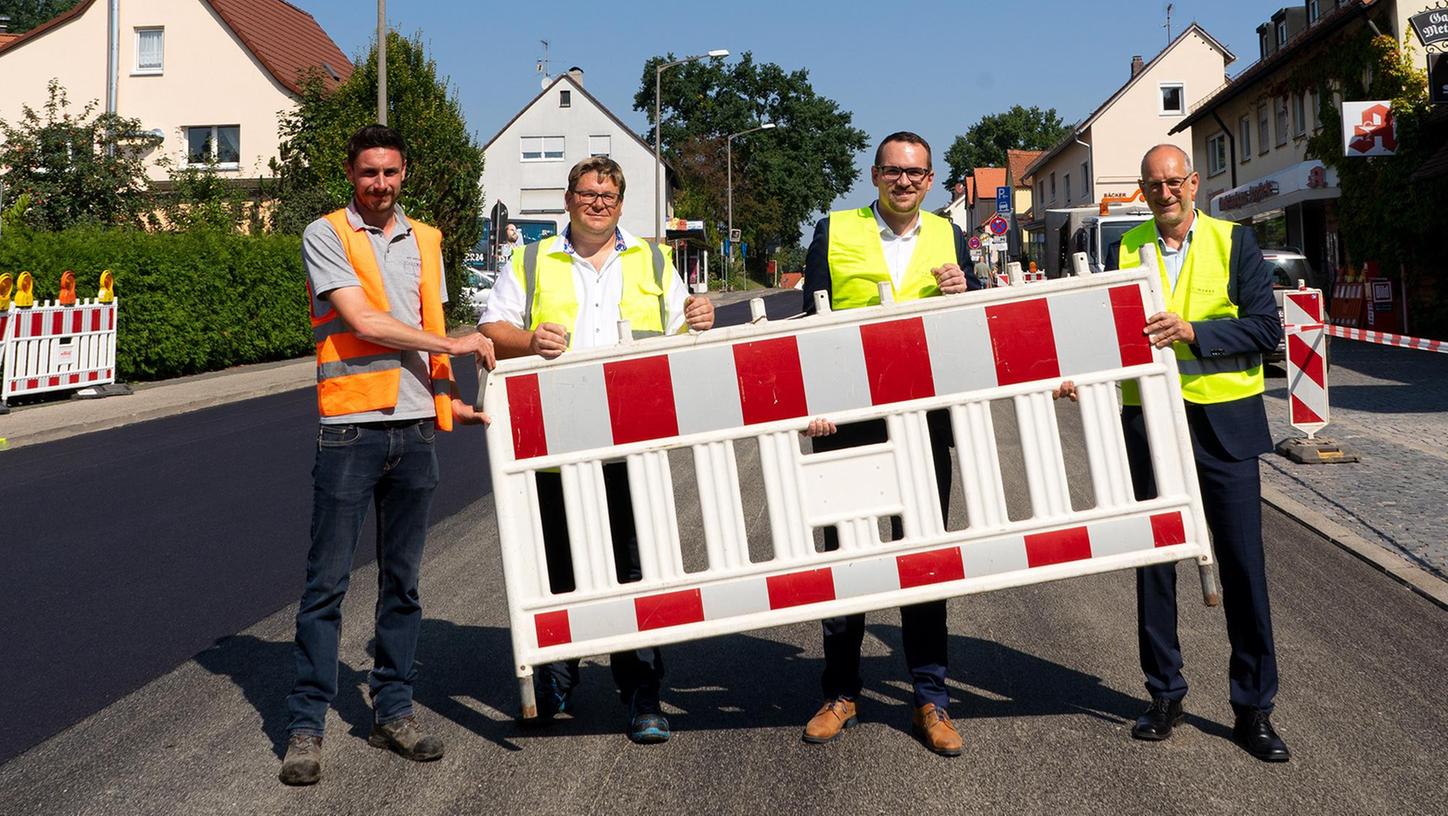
[[527, 163]]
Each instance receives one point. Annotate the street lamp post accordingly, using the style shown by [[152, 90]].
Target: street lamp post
[[658, 160], [729, 191], [381, 62]]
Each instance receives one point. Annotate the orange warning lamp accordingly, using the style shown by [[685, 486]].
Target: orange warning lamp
[[67, 288], [25, 291], [107, 291], [7, 285]]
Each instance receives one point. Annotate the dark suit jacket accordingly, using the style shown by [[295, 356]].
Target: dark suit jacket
[[817, 263], [1241, 425]]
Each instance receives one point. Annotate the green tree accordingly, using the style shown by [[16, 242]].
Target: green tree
[[781, 177], [75, 168], [27, 14], [444, 161], [986, 142]]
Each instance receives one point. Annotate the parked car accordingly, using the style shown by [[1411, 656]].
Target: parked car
[[479, 287], [1288, 267]]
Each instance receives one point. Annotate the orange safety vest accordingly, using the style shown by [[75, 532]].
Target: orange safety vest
[[354, 375]]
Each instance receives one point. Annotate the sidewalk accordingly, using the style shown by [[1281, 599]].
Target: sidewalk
[[61, 418]]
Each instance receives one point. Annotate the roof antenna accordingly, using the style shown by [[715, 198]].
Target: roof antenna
[[1168, 23], [543, 64]]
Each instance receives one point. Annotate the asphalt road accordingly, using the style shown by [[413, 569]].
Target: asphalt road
[[153, 547]]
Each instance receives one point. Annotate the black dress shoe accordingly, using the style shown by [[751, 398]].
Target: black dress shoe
[[1158, 720], [1253, 731]]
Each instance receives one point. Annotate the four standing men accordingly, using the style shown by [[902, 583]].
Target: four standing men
[[920, 255], [385, 386], [384, 389]]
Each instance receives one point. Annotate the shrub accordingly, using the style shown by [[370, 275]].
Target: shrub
[[190, 301]]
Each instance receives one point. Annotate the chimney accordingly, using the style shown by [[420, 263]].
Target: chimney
[[576, 74], [1136, 65]]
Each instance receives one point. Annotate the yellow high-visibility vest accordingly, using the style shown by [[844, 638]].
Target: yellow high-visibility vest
[[857, 259], [1200, 294], [546, 278]]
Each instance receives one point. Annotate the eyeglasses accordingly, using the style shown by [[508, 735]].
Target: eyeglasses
[[1173, 185], [590, 196], [890, 172]]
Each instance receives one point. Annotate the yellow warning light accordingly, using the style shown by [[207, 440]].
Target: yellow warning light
[[107, 291], [7, 285], [25, 291]]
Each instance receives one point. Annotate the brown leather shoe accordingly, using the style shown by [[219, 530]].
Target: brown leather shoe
[[934, 728], [833, 717]]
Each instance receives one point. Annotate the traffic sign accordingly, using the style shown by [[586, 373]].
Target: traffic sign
[[998, 244], [997, 225], [1003, 199], [973, 242]]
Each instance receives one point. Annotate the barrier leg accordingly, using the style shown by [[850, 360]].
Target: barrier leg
[[525, 692], [1210, 595]]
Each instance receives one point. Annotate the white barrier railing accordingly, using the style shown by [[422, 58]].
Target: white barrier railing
[[49, 347], [764, 382]]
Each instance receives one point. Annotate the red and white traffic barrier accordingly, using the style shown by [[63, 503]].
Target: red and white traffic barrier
[[1307, 378], [761, 384], [1388, 339]]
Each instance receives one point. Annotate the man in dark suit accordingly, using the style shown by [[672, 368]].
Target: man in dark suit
[[1220, 319], [920, 255]]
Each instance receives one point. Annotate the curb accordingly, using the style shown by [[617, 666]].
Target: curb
[[1424, 583]]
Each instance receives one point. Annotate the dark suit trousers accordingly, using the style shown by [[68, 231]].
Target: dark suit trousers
[[922, 626], [1232, 498], [638, 670]]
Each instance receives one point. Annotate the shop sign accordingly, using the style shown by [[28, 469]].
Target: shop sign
[[1261, 191], [1368, 129], [1431, 25]]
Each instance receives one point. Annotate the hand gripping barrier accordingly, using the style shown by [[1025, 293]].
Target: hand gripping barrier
[[765, 381]]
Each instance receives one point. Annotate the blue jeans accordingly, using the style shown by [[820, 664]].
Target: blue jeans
[[392, 468]]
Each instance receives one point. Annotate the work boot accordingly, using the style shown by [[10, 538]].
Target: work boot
[[934, 728], [303, 763], [406, 739], [833, 717], [647, 724]]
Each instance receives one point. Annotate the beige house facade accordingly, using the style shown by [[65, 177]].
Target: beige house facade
[[1100, 158], [209, 77], [1249, 138]]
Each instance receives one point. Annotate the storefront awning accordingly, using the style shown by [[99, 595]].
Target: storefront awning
[[1305, 181]]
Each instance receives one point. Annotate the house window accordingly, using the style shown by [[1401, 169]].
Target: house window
[[1217, 154], [1244, 137], [1086, 182], [1262, 42], [1314, 11], [600, 145], [1263, 137], [219, 144], [1281, 33], [1067, 181], [150, 50], [542, 148], [1299, 114], [565, 99], [1279, 108], [1053, 186], [1172, 103], [1312, 108]]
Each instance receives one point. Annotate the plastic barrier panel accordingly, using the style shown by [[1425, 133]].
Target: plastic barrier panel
[[763, 383], [49, 347]]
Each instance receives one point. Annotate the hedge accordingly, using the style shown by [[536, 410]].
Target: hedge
[[190, 301]]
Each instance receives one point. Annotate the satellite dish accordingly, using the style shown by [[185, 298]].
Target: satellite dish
[[544, 83]]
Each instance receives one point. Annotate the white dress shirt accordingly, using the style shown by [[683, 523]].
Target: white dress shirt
[[898, 248], [598, 291]]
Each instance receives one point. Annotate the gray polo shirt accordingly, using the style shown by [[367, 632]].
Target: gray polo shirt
[[400, 262]]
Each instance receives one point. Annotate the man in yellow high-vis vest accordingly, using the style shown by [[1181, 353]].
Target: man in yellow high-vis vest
[[1220, 319], [570, 291], [920, 255], [384, 389]]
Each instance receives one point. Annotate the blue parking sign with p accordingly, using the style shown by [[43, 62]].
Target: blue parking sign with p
[[1003, 199]]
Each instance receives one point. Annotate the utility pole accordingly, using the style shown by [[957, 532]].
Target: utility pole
[[381, 62], [1168, 23]]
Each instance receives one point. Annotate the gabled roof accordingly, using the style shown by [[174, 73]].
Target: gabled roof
[[577, 86], [1018, 160], [1330, 22], [283, 38], [987, 179], [1071, 135]]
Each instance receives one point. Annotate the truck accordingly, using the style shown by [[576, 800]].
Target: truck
[[1095, 230]]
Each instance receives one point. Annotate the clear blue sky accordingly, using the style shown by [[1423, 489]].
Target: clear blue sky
[[931, 67]]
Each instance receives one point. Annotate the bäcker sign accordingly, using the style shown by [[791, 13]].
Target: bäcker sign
[[1432, 26]]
